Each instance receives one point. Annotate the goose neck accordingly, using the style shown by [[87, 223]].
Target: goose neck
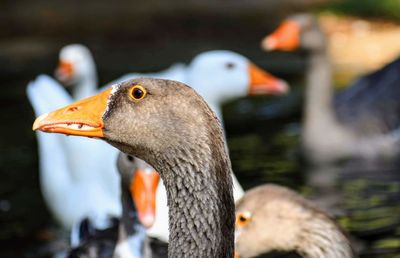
[[319, 91], [323, 239], [86, 86], [200, 200]]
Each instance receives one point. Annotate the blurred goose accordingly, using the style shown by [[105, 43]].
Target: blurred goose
[[139, 187], [124, 238], [153, 120], [220, 76], [74, 184], [362, 120], [274, 218]]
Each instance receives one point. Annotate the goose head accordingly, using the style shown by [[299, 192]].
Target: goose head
[[142, 182], [76, 64], [229, 76], [297, 31], [168, 125], [273, 218], [138, 113]]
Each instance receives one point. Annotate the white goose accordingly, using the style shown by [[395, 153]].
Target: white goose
[[217, 75], [69, 170], [72, 187]]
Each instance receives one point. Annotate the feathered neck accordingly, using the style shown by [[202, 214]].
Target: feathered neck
[[321, 238], [199, 190], [87, 85]]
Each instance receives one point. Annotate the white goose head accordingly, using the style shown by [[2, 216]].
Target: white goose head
[[222, 75], [76, 65]]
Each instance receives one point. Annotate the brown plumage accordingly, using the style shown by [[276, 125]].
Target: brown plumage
[[174, 130], [274, 218]]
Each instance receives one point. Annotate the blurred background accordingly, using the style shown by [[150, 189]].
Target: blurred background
[[263, 132]]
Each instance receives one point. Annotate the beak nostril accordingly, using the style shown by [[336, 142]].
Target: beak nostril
[[73, 109]]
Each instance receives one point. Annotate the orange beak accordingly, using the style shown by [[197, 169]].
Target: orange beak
[[64, 71], [286, 37], [82, 118], [263, 83], [143, 189], [236, 255]]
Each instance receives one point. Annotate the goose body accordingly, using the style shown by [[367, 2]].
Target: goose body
[[193, 164], [89, 241], [273, 218], [360, 121]]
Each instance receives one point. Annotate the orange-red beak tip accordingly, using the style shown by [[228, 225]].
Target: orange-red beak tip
[[263, 83], [269, 43], [282, 87], [147, 220]]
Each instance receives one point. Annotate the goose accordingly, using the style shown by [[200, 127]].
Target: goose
[[219, 76], [69, 169], [274, 218], [167, 124], [138, 185], [125, 237], [360, 121]]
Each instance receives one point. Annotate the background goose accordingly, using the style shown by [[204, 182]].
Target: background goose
[[220, 76], [125, 237], [138, 192], [135, 117], [274, 218], [361, 120], [69, 169]]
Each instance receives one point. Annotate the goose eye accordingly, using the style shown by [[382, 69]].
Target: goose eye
[[230, 65], [130, 158], [137, 92], [243, 218]]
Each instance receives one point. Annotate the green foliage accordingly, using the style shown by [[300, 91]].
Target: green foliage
[[368, 8]]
